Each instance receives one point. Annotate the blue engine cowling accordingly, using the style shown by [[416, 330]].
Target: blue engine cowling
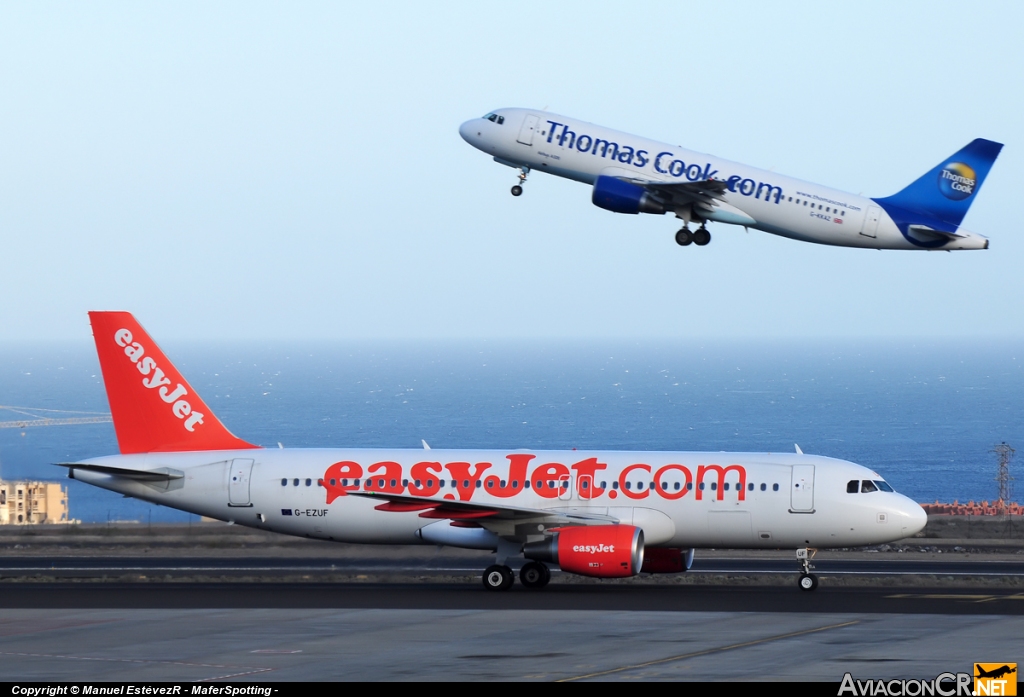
[[618, 196]]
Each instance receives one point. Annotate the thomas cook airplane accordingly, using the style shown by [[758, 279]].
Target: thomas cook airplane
[[605, 514], [634, 175]]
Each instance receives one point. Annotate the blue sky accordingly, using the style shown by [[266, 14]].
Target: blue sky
[[283, 171]]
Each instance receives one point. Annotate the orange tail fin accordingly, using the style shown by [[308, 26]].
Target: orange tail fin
[[155, 410]]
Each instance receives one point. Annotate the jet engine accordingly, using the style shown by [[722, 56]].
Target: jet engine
[[602, 551], [618, 196]]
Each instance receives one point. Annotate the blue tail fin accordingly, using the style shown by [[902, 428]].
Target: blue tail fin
[[942, 196]]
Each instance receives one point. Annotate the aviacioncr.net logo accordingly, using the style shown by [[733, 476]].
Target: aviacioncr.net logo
[[957, 181]]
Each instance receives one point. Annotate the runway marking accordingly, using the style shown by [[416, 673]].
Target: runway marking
[[705, 652], [959, 596], [251, 671]]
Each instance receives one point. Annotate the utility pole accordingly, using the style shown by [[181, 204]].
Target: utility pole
[[1005, 482]]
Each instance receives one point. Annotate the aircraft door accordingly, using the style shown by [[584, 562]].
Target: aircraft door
[[870, 227], [526, 132], [801, 490], [565, 487], [239, 475]]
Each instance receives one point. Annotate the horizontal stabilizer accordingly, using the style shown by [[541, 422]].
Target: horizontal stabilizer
[[161, 474]]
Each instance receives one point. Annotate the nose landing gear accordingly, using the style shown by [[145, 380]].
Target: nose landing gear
[[807, 581], [517, 190]]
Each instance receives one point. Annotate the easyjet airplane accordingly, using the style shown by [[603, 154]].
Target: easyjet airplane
[[634, 175], [605, 514]]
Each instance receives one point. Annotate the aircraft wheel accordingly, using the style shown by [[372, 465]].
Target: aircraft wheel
[[808, 582], [701, 237], [498, 578], [534, 575], [517, 190], [684, 237]]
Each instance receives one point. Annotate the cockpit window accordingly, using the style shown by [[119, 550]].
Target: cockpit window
[[852, 486], [492, 117], [884, 486], [867, 486]]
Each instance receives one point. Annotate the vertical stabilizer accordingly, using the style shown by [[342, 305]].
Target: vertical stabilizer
[[153, 406], [940, 198]]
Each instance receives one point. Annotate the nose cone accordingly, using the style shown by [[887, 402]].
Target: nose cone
[[914, 519], [468, 131]]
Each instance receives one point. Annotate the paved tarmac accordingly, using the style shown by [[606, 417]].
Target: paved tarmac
[[90, 567], [372, 643]]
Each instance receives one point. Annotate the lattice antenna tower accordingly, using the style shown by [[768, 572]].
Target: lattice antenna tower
[[1005, 453]]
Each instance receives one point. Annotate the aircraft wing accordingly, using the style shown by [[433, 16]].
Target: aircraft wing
[[705, 193], [485, 514]]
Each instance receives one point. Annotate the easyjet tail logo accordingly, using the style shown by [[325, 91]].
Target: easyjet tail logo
[[154, 379]]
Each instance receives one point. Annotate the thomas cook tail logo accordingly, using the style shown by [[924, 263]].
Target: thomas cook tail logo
[[957, 181]]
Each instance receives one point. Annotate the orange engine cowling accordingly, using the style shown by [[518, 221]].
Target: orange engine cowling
[[603, 551]]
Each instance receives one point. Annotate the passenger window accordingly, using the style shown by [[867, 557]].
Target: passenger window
[[526, 484], [333, 482], [309, 482], [867, 486], [629, 485], [764, 487], [852, 487], [676, 486], [539, 484], [295, 482], [727, 486], [714, 486], [490, 483], [750, 487], [701, 486], [515, 483], [440, 484], [689, 486], [284, 482], [586, 484], [418, 484], [465, 484], [775, 487]]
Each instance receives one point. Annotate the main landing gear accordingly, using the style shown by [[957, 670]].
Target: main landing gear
[[533, 575], [517, 190], [700, 237], [807, 581], [498, 577]]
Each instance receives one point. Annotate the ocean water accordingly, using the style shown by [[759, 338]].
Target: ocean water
[[924, 414]]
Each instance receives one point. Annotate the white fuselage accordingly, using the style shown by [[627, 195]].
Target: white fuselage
[[756, 198], [679, 499]]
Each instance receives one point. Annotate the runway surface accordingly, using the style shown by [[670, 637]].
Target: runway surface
[[620, 597], [310, 644], [78, 566]]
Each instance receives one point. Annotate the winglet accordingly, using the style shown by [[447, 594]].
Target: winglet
[[798, 450], [153, 406]]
